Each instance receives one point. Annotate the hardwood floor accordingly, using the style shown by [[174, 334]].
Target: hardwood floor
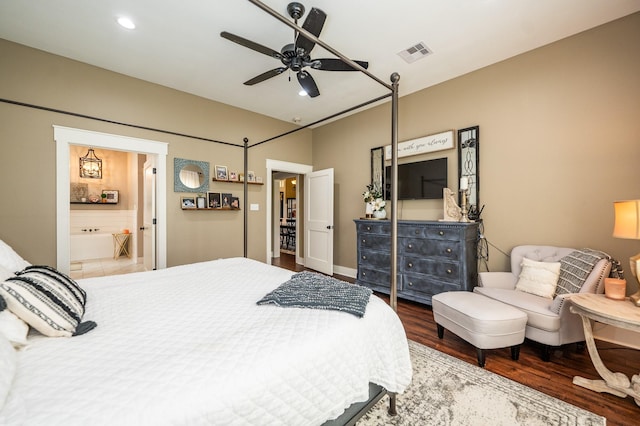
[[553, 378]]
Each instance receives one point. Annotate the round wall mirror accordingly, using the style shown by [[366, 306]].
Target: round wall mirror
[[190, 175]]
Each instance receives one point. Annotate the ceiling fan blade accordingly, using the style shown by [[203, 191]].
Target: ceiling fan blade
[[265, 76], [307, 83], [332, 64], [313, 23], [251, 45]]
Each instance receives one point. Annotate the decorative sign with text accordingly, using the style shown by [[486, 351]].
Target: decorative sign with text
[[431, 143]]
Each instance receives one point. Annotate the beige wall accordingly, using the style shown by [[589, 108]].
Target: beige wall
[[559, 142], [27, 210]]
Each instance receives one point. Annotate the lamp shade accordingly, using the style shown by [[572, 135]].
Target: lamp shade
[[627, 219]]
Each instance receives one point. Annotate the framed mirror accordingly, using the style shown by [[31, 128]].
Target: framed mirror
[[468, 166], [377, 168], [190, 175]]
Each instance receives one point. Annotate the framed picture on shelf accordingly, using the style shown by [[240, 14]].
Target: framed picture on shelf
[[241, 177], [251, 176], [111, 196], [235, 203], [188, 202], [201, 202], [226, 200], [221, 173], [233, 176], [214, 200]]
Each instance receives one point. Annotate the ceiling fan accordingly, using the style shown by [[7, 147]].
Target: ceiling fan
[[297, 55]]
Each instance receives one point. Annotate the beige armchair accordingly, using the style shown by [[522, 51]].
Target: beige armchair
[[549, 321]]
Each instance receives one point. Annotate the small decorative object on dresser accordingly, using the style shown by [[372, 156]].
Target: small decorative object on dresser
[[433, 257], [452, 212]]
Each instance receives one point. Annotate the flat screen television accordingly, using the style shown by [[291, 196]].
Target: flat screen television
[[419, 181]]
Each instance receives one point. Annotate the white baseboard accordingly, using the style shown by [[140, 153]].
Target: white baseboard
[[343, 270]]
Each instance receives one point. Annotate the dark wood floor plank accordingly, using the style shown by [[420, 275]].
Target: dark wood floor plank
[[553, 378]]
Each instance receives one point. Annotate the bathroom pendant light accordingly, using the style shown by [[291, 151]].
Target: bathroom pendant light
[[90, 166]]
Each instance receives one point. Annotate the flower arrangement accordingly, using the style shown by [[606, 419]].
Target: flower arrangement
[[373, 195]]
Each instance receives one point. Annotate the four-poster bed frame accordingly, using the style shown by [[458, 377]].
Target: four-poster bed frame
[[376, 392]]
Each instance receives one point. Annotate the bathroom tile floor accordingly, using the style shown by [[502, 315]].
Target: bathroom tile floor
[[104, 267]]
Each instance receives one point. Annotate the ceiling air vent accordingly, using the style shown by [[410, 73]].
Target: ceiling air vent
[[415, 52]]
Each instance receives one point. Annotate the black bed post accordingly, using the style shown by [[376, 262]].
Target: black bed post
[[246, 194], [393, 297]]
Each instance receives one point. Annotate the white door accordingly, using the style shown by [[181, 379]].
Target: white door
[[318, 221], [149, 215]]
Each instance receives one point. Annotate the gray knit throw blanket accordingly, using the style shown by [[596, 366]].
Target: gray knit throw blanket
[[312, 290], [576, 267]]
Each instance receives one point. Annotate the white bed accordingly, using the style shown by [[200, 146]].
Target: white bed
[[189, 345]]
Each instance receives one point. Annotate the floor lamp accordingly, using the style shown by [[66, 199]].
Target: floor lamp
[[627, 225]]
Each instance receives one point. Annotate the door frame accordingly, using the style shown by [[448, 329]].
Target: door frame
[[287, 167], [65, 136]]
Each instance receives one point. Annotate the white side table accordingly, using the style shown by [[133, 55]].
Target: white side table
[[619, 313]]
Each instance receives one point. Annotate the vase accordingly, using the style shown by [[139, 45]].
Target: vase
[[380, 214], [368, 209]]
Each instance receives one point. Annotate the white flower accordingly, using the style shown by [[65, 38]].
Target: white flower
[[379, 204]]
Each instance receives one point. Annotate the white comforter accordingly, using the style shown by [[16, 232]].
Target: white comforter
[[188, 345]]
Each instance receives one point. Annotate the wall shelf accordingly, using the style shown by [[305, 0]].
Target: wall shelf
[[212, 208], [236, 181], [93, 204]]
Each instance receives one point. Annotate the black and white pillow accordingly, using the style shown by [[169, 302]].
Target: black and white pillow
[[47, 300]]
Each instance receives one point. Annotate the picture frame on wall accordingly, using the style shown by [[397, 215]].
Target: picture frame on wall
[[226, 200], [235, 203], [214, 200], [251, 176], [188, 202], [233, 176], [111, 196], [221, 173], [201, 202]]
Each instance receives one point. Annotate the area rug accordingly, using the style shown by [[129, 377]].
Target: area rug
[[448, 391]]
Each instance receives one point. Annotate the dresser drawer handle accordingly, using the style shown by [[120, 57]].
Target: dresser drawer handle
[[364, 240], [410, 284], [410, 246], [441, 233], [448, 250], [364, 257], [410, 265], [417, 231], [449, 271], [364, 274], [368, 228]]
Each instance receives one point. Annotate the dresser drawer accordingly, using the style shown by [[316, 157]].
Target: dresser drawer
[[376, 279], [371, 227], [422, 247], [420, 285], [373, 242], [443, 270], [375, 259], [442, 233]]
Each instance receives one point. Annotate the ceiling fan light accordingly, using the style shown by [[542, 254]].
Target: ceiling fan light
[[302, 93]]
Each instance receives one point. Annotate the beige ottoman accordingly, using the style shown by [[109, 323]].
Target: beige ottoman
[[481, 321]]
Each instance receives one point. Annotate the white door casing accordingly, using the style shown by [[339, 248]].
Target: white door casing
[[148, 214], [279, 166], [65, 136], [318, 221]]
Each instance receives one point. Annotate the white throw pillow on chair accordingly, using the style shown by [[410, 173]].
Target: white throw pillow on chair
[[539, 278]]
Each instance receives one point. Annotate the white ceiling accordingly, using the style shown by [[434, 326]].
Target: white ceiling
[[177, 43]]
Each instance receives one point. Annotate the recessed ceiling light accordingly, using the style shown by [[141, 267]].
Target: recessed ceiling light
[[126, 23], [302, 93]]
